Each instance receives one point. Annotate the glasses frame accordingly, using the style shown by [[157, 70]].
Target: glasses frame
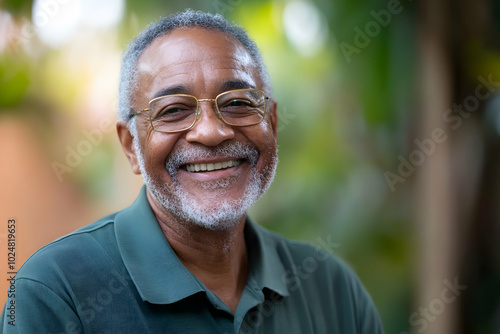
[[197, 116]]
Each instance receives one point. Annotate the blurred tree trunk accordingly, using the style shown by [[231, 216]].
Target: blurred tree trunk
[[435, 207], [458, 184]]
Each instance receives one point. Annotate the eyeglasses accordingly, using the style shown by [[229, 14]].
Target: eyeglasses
[[179, 112]]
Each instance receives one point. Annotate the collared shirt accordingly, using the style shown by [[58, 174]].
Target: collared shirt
[[120, 275]]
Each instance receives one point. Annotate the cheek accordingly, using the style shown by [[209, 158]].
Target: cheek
[[267, 136], [157, 149], [262, 136], [269, 144]]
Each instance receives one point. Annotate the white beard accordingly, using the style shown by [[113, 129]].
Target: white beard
[[224, 213]]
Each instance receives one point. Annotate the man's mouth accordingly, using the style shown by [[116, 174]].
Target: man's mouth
[[193, 168]]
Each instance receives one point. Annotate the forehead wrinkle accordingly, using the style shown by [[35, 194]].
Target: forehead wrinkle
[[150, 68], [243, 75]]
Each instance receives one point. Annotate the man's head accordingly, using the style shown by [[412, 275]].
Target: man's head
[[200, 55]]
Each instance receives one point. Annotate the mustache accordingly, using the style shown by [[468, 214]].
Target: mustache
[[234, 150]]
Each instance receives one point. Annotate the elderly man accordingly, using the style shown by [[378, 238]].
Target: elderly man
[[197, 121]]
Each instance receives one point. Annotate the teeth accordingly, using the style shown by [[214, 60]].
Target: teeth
[[211, 167]]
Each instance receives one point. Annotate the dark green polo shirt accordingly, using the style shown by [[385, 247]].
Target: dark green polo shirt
[[120, 275]]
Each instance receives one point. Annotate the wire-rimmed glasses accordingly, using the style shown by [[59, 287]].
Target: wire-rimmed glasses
[[179, 112]]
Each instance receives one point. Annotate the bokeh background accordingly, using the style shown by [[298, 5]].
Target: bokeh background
[[389, 137]]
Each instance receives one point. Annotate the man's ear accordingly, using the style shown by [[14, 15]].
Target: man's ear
[[273, 117], [127, 142]]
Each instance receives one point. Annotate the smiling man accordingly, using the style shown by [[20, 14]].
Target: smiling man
[[197, 120]]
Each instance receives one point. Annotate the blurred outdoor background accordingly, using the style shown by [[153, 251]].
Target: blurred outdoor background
[[389, 138]]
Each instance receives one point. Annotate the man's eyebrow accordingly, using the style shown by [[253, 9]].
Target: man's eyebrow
[[236, 84], [179, 89]]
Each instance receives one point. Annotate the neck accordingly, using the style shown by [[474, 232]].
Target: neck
[[217, 258]]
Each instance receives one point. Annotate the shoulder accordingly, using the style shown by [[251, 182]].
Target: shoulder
[[73, 252], [307, 256], [316, 269], [316, 277]]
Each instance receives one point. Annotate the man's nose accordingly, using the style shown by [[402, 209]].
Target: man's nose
[[209, 129]]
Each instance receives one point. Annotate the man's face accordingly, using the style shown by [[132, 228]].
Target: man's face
[[203, 63]]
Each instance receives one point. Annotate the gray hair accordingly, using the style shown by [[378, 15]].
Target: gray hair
[[186, 19]]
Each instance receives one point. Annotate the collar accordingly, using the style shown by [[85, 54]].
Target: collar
[[159, 275], [266, 267]]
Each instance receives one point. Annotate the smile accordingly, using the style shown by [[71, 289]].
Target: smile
[[212, 166]]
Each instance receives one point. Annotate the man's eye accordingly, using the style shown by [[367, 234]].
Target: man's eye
[[169, 111], [173, 112], [238, 103]]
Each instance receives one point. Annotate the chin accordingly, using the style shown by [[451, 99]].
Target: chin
[[219, 214]]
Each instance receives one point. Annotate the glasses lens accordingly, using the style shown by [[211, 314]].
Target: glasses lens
[[173, 112], [242, 107]]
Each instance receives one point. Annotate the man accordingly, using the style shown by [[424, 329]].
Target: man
[[197, 121]]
